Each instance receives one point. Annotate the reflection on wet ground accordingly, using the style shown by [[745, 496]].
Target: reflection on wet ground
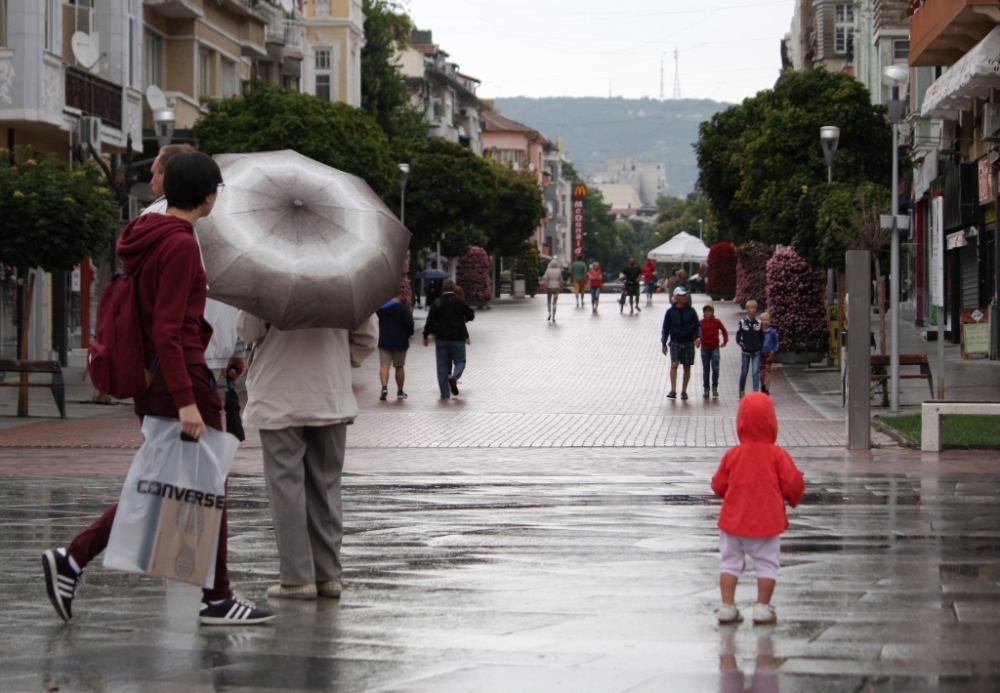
[[592, 578]]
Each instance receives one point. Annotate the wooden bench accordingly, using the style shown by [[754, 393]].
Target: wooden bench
[[931, 414], [56, 385], [905, 360]]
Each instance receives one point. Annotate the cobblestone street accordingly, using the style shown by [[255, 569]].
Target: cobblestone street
[[479, 559]]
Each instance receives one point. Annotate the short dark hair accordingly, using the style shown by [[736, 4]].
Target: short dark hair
[[189, 179], [448, 286]]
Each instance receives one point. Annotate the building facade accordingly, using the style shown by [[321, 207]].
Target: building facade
[[647, 178], [822, 33], [334, 34]]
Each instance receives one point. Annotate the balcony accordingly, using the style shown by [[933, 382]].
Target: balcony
[[94, 96], [942, 31]]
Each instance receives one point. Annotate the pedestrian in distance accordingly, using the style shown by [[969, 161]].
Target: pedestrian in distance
[[711, 328], [395, 327], [671, 284], [767, 352], [632, 274], [446, 321], [754, 480], [162, 255], [750, 338], [300, 398], [552, 282], [579, 272], [596, 278], [682, 327], [649, 280]]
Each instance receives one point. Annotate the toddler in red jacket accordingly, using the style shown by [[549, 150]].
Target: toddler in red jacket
[[754, 479]]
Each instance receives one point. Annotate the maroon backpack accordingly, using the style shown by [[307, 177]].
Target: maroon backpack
[[117, 358]]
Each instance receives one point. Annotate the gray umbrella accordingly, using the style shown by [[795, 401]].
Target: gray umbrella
[[300, 244]]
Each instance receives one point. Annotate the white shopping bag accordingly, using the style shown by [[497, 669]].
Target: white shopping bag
[[168, 517]]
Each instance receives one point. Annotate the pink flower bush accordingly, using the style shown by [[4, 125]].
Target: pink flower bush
[[473, 274], [722, 270], [751, 273], [796, 301]]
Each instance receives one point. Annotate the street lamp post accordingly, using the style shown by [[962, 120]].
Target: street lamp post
[[164, 120], [897, 76], [405, 168], [701, 229], [829, 135]]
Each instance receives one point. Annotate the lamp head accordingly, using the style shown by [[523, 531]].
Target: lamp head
[[829, 135], [164, 120], [896, 75], [405, 168]]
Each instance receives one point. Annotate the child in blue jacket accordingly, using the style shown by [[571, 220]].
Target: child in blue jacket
[[767, 352]]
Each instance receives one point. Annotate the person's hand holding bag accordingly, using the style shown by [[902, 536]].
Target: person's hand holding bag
[[192, 425]]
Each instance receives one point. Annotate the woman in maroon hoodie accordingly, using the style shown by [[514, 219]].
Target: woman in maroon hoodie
[[162, 254]]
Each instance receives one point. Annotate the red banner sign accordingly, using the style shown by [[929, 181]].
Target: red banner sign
[[579, 195]]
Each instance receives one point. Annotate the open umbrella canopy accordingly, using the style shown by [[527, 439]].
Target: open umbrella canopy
[[300, 244], [681, 248], [434, 274]]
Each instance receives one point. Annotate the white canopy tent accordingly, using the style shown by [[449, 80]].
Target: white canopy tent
[[681, 248]]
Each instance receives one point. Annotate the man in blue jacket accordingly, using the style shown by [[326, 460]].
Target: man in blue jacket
[[395, 327], [682, 326]]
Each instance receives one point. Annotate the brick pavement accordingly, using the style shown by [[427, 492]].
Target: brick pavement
[[586, 381]]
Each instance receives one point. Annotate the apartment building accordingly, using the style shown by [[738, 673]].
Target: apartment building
[[647, 178], [558, 197], [49, 98], [955, 101], [447, 97], [334, 32], [822, 33], [882, 38]]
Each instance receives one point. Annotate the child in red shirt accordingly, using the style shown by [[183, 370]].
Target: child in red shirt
[[711, 327], [754, 480]]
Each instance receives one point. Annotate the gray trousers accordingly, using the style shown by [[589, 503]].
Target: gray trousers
[[303, 466]]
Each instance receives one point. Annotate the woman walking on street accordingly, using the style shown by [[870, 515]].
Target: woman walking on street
[[596, 284], [161, 253], [552, 282]]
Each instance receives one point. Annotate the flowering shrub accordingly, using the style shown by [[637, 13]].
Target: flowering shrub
[[721, 270], [751, 273], [796, 300], [405, 288], [473, 274]]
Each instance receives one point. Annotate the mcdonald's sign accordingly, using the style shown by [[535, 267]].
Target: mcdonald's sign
[[579, 195]]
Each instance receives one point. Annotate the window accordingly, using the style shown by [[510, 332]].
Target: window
[[843, 27], [323, 87], [154, 59], [323, 59], [130, 50], [513, 157], [901, 50], [230, 84], [204, 74]]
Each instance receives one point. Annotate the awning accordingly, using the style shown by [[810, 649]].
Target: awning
[[970, 78]]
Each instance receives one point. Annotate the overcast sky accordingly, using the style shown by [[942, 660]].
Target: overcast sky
[[729, 49]]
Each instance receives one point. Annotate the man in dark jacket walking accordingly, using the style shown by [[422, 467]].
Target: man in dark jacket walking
[[446, 321], [682, 326], [395, 327]]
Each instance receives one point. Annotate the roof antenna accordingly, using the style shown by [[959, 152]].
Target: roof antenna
[[677, 75], [662, 94]]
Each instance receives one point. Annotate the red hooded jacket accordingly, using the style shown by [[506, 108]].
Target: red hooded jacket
[[162, 253], [756, 477]]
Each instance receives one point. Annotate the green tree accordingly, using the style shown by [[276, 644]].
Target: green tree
[[757, 159], [682, 214], [514, 211], [384, 94], [53, 217], [269, 118]]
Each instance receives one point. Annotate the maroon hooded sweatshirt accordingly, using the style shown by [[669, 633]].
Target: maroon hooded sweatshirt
[[162, 253]]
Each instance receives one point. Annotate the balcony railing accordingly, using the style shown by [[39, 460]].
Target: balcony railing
[[94, 96]]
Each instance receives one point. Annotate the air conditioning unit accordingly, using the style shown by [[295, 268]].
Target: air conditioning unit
[[90, 132], [949, 133], [991, 122]]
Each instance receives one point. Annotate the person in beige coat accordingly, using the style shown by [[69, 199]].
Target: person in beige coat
[[552, 282], [300, 398]]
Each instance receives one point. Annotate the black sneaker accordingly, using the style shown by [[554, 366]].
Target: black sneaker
[[235, 611], [61, 581], [684, 395], [638, 308], [705, 394], [671, 395], [401, 395], [453, 384], [384, 395]]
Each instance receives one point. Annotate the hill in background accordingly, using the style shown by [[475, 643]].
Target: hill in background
[[593, 129]]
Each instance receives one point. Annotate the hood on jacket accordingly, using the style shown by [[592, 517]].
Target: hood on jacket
[[756, 420], [144, 233], [389, 307]]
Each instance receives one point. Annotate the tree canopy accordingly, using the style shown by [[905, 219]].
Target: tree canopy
[[759, 158], [53, 217], [678, 214], [269, 118]]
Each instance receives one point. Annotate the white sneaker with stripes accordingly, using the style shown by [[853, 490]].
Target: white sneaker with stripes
[[61, 581], [235, 611]]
